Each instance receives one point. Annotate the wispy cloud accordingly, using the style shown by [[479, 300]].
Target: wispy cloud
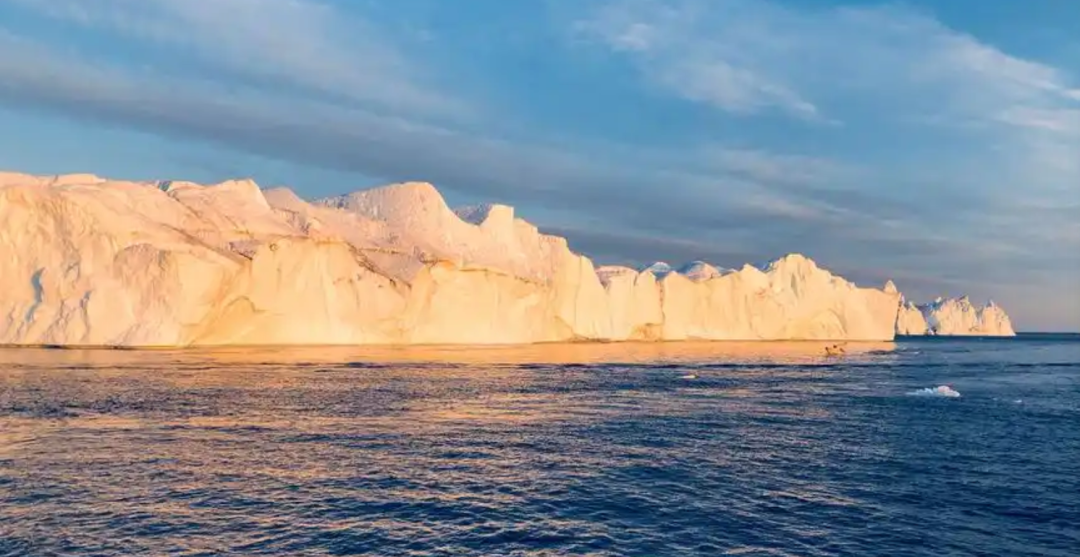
[[754, 57], [963, 62], [1064, 121], [771, 167], [305, 44], [674, 48]]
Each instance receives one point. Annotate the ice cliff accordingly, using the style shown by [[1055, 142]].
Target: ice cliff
[[89, 261], [953, 317]]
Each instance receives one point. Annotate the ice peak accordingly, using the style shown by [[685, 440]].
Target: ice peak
[[242, 184], [19, 179], [793, 264], [659, 269], [409, 190], [401, 192], [284, 198], [394, 202], [792, 260], [699, 271], [75, 179]]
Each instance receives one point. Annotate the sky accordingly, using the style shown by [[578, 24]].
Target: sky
[[932, 142]]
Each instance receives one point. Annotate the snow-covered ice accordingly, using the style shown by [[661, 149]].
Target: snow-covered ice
[[91, 261], [954, 317]]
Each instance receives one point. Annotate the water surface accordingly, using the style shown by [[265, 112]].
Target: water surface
[[605, 449]]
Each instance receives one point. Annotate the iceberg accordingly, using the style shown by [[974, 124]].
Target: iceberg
[[89, 261], [953, 317], [910, 321]]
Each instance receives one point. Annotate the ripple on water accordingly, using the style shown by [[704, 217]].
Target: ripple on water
[[574, 451]]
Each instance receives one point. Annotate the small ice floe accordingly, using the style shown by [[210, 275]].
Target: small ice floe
[[942, 391]]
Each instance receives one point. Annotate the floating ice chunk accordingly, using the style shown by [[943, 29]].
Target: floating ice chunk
[[940, 391]]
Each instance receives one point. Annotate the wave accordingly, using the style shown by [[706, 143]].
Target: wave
[[939, 391]]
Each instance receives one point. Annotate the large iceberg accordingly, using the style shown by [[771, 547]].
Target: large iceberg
[[953, 317], [95, 262]]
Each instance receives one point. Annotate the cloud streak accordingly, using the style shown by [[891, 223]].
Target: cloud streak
[[308, 45], [668, 42], [292, 83], [751, 57]]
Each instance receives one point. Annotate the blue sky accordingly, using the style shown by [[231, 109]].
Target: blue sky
[[934, 142]]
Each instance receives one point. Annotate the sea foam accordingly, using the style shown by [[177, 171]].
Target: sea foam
[[939, 391]]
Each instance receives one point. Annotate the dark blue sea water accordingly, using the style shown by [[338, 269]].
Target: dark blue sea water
[[664, 449]]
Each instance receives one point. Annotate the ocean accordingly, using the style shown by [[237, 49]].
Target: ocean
[[670, 449]]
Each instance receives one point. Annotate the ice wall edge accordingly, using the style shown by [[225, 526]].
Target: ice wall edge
[[88, 261]]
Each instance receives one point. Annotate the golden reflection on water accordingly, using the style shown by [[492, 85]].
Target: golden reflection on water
[[793, 352], [432, 373], [578, 449], [212, 449]]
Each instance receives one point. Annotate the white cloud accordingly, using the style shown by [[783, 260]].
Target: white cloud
[[737, 90], [775, 168], [664, 40], [300, 43], [754, 57], [1064, 121]]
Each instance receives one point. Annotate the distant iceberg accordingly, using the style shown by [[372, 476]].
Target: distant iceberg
[[96, 262], [953, 317], [701, 271], [659, 269]]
